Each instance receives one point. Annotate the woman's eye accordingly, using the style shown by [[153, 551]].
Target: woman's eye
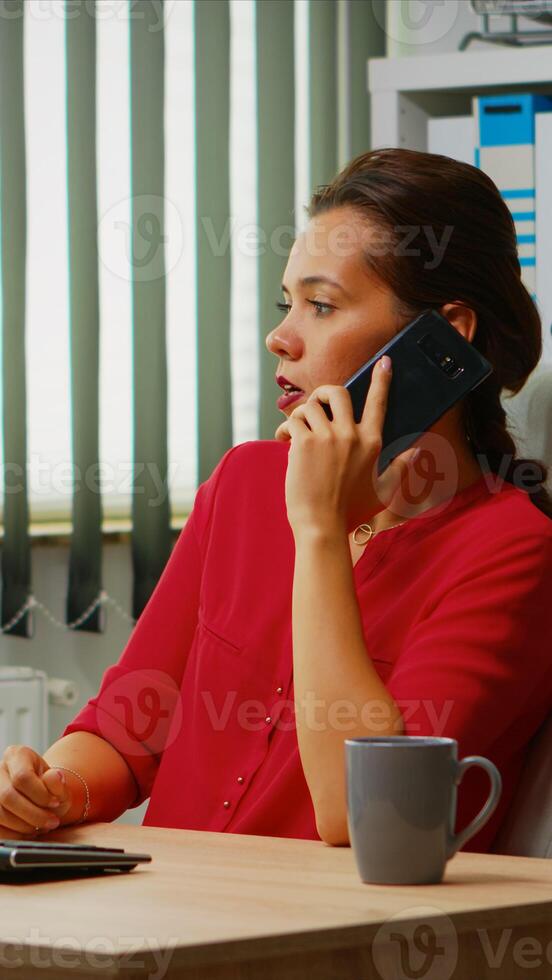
[[322, 309]]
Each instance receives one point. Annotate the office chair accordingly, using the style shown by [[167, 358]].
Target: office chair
[[527, 829]]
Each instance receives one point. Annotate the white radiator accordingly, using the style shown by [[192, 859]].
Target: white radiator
[[23, 708]]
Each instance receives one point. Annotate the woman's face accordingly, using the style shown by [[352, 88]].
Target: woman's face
[[330, 329]]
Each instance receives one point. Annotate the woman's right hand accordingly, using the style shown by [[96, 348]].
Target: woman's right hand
[[28, 788]]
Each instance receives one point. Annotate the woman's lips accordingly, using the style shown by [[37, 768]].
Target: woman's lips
[[284, 400]]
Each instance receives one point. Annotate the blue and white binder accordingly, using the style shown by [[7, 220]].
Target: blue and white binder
[[452, 136], [505, 150]]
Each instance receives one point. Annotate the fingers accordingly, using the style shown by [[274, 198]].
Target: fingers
[[14, 824], [54, 780], [313, 416], [293, 427], [397, 468], [25, 802], [18, 814], [8, 833], [375, 406], [282, 432], [301, 420], [339, 400], [409, 455], [21, 766]]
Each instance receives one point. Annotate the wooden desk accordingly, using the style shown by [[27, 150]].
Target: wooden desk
[[213, 906]]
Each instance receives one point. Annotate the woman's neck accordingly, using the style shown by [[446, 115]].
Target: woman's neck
[[445, 467]]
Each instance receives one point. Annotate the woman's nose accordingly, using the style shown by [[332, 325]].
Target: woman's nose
[[282, 341]]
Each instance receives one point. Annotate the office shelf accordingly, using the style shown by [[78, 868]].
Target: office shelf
[[406, 91]]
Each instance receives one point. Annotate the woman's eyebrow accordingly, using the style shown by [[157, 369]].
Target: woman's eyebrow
[[310, 280]]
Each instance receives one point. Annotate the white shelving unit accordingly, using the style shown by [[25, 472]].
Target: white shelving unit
[[406, 91]]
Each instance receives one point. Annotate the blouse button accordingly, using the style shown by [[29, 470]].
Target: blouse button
[[279, 690], [268, 719], [240, 779], [226, 804]]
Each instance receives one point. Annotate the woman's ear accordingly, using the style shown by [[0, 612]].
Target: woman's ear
[[462, 318]]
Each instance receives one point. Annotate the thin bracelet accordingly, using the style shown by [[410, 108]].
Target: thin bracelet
[[87, 804]]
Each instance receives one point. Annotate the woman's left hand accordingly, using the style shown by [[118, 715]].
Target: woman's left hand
[[332, 478]]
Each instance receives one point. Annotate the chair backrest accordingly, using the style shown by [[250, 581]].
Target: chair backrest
[[529, 417], [527, 829]]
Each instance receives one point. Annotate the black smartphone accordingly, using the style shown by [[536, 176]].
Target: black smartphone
[[433, 368], [19, 859]]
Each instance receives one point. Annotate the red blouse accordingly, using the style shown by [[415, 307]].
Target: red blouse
[[457, 617]]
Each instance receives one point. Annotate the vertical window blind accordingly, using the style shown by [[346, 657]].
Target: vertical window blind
[[155, 161]]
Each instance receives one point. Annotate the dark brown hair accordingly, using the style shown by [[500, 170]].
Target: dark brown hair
[[406, 192]]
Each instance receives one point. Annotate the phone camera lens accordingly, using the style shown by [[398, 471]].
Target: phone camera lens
[[450, 366]]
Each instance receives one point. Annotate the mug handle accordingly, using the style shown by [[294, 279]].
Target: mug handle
[[456, 841]]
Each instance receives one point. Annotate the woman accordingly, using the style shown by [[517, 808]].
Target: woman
[[277, 630]]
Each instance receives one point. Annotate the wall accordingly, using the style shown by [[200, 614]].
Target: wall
[[81, 657]]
